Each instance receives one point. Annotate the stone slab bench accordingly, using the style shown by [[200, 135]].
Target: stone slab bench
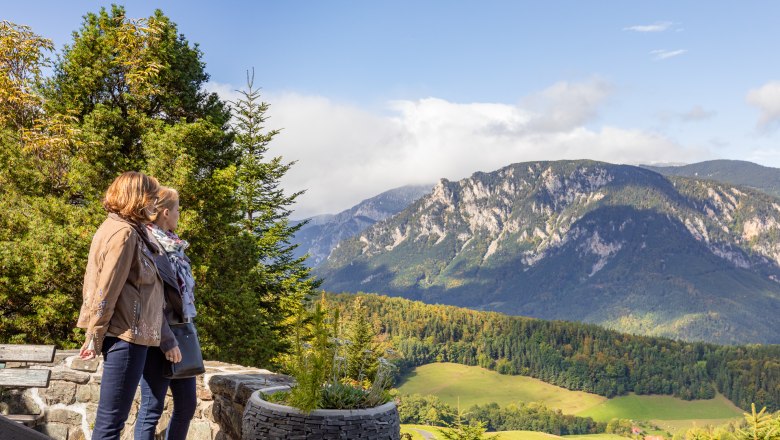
[[14, 359]]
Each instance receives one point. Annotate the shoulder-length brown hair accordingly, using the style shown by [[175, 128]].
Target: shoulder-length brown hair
[[133, 195]]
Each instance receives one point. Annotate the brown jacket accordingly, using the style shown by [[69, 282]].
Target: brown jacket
[[123, 293]]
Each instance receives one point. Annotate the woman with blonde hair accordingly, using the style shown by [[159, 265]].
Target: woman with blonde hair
[[179, 284], [122, 310]]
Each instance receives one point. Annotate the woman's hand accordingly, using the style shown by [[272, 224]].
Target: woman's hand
[[87, 354], [87, 351], [173, 355]]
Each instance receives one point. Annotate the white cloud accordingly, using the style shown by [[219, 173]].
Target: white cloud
[[662, 54], [346, 153], [566, 105], [655, 27], [767, 100]]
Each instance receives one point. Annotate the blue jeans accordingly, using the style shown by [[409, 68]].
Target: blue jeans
[[123, 364], [153, 389]]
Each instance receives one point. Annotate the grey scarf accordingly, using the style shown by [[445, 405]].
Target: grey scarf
[[174, 249]]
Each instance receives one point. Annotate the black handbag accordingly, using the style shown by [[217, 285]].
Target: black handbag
[[191, 363]]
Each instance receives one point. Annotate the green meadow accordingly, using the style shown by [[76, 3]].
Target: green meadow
[[595, 437], [415, 432], [475, 385], [479, 386], [662, 408], [530, 435]]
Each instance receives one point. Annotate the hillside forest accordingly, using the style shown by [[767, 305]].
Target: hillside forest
[[576, 356]]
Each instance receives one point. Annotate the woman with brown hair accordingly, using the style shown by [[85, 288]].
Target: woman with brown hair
[[179, 284], [122, 310]]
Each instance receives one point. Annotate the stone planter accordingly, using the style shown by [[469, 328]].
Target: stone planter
[[266, 420]]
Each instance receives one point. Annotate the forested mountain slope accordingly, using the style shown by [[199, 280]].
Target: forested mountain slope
[[574, 355]]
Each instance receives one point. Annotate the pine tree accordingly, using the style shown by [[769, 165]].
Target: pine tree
[[278, 281], [460, 430], [760, 426], [361, 349]]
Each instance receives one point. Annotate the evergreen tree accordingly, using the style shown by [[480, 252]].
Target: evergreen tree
[[760, 426], [276, 282], [361, 350], [460, 430]]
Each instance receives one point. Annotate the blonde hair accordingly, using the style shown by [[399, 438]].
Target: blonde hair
[[167, 197], [133, 195]]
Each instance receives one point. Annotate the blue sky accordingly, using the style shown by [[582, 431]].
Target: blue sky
[[374, 95]]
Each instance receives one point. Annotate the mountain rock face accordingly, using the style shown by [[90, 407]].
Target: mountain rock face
[[615, 245], [321, 234], [735, 172]]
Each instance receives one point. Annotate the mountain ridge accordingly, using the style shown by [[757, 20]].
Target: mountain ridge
[[322, 232], [552, 240], [735, 172]]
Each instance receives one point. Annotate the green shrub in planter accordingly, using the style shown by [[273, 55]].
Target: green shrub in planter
[[335, 372]]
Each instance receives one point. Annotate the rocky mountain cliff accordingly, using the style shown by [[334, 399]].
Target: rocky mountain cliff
[[616, 245], [321, 234]]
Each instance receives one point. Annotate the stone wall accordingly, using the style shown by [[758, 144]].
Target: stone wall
[[69, 403]]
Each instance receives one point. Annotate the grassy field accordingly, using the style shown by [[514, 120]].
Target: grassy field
[[662, 408], [414, 430], [475, 385], [522, 435], [679, 425], [530, 435], [594, 437]]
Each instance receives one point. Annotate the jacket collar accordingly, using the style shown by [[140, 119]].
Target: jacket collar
[[140, 230]]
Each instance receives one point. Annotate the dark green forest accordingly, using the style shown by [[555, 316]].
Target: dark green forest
[[576, 356]]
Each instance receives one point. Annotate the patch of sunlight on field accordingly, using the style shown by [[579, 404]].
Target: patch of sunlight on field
[[412, 430], [594, 437], [521, 435], [476, 385], [662, 408], [504, 435], [422, 431], [680, 425]]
